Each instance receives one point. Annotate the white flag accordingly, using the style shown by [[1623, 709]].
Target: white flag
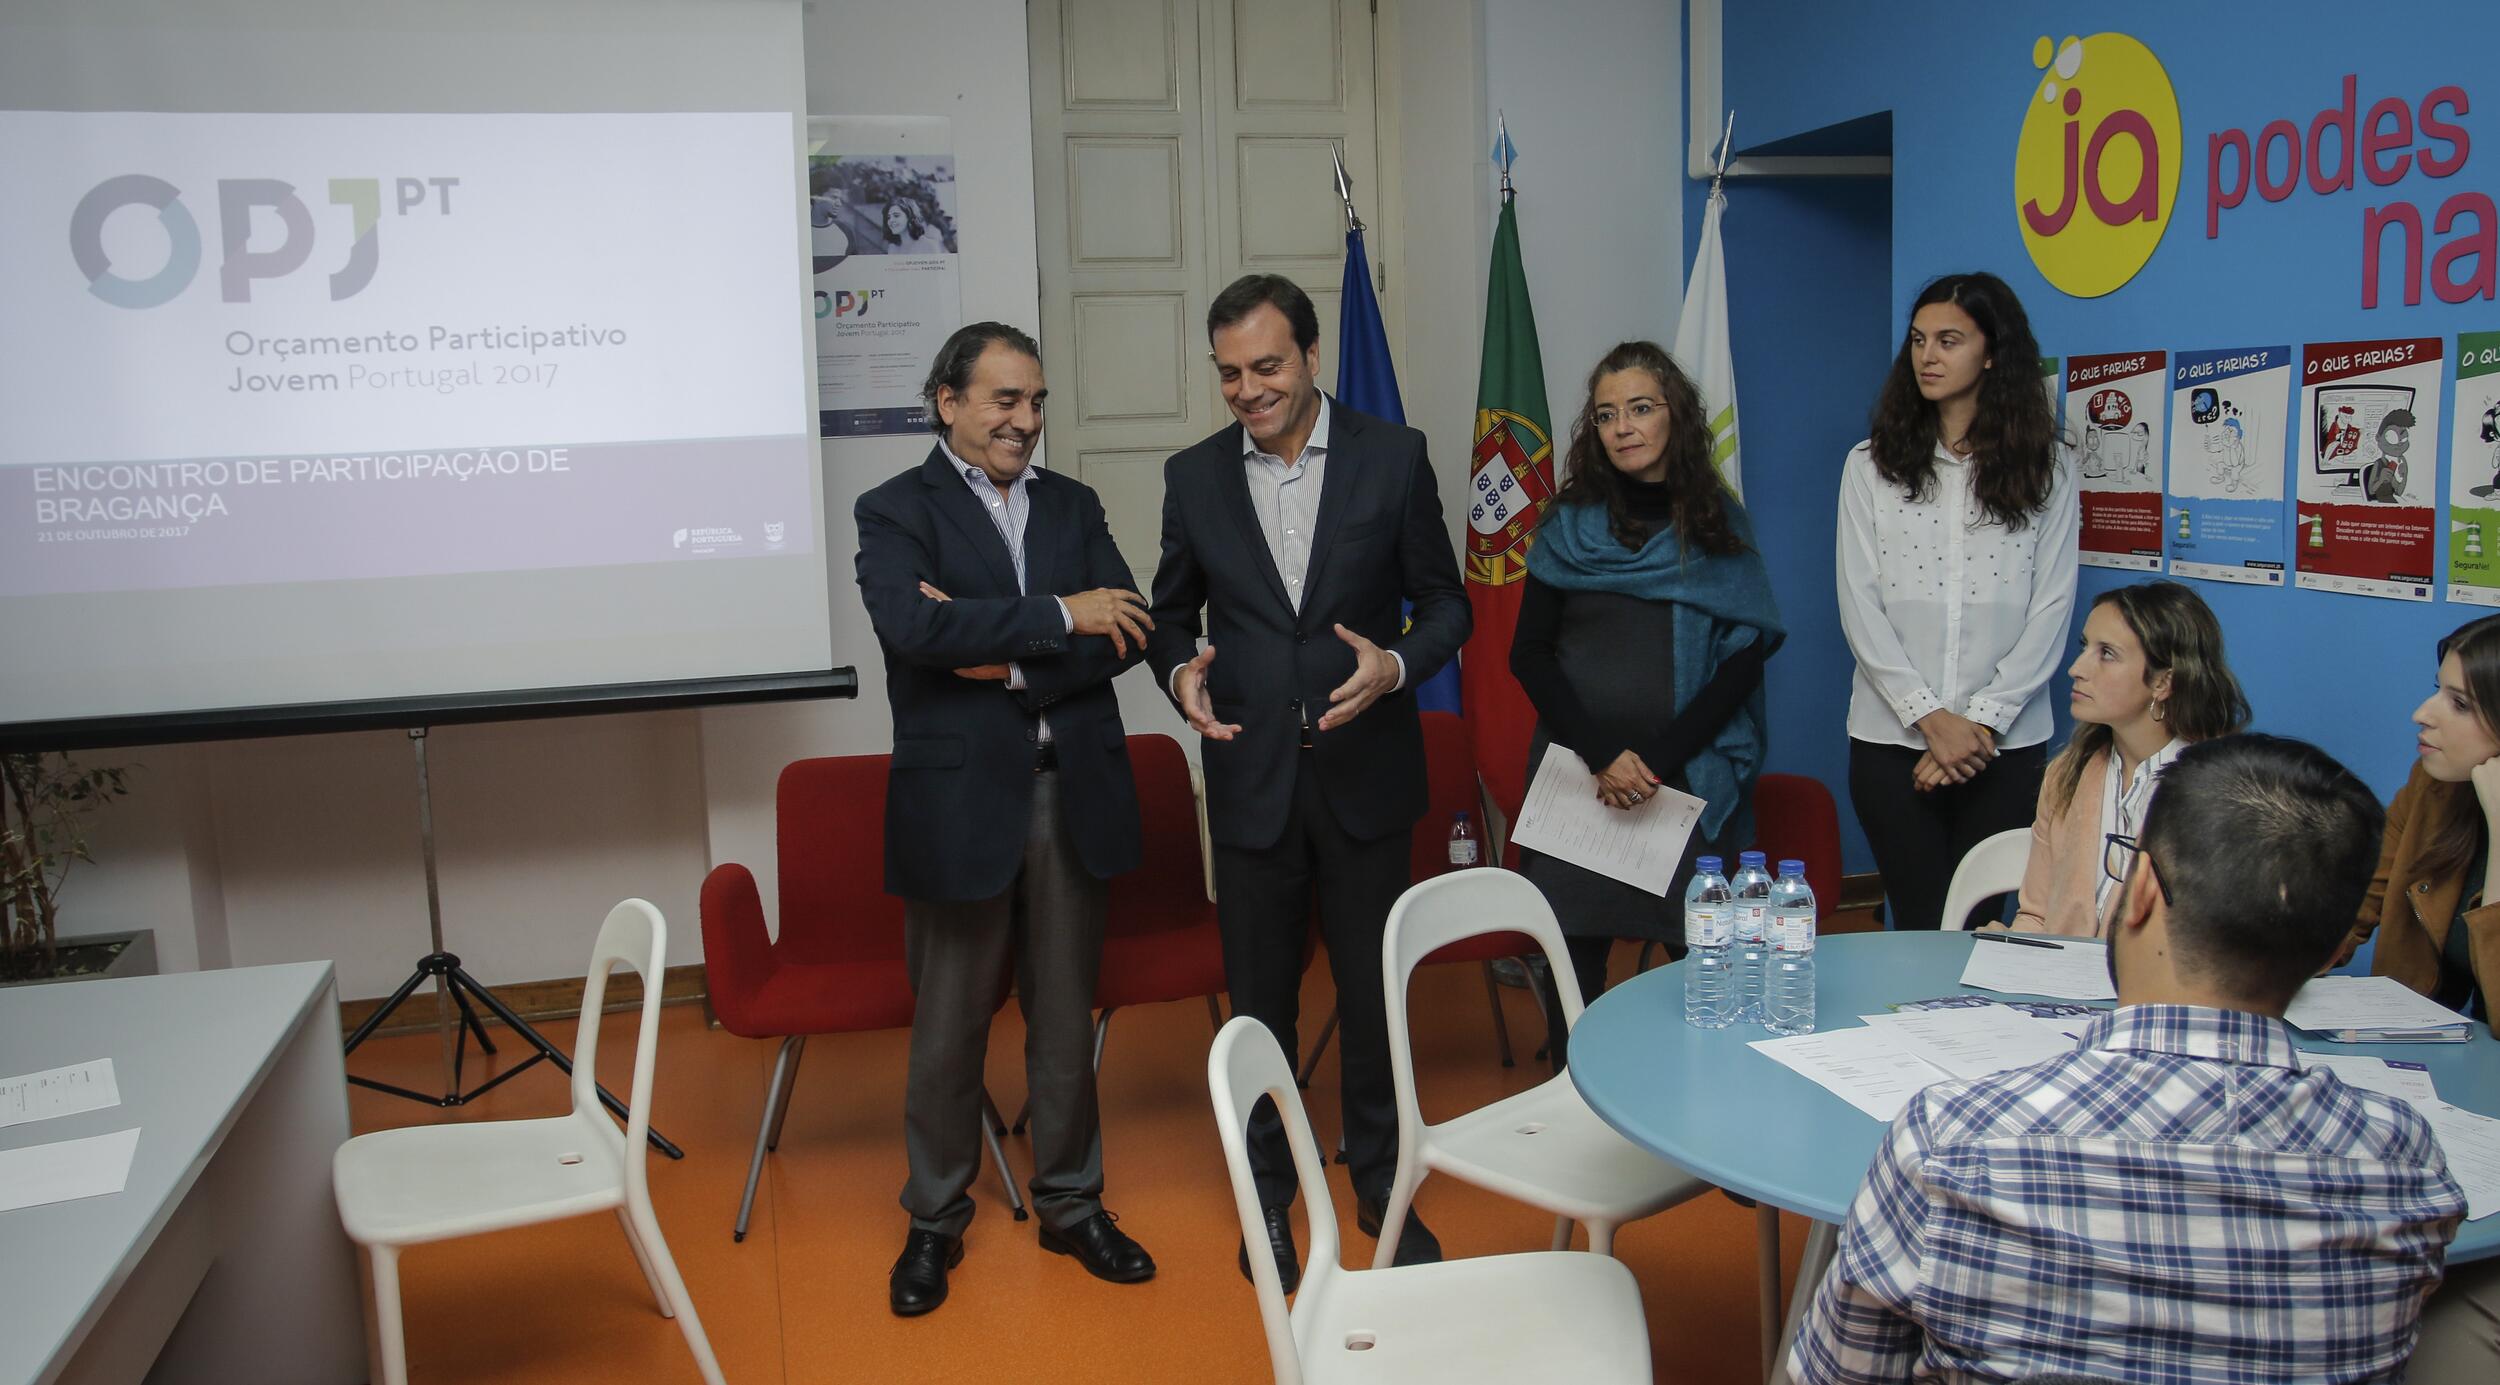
[[1701, 345]]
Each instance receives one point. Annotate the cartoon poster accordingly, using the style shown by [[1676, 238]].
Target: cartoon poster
[[2226, 463], [2367, 494], [883, 233], [2114, 405], [2474, 474]]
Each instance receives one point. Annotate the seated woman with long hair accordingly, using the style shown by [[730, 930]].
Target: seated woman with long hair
[[1642, 632], [2149, 681], [2435, 903]]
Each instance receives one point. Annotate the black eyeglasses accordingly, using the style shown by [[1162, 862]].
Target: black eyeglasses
[[2118, 853]]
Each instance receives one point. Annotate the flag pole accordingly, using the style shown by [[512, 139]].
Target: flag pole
[[1345, 190], [1504, 152], [1718, 175]]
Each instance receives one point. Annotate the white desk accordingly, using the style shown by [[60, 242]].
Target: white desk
[[223, 1259]]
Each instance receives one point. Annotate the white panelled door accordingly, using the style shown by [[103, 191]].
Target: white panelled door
[[1177, 145]]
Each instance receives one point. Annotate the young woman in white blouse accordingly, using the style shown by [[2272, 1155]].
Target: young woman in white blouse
[[1957, 583]]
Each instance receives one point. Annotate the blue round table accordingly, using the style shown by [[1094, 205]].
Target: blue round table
[[1702, 1099]]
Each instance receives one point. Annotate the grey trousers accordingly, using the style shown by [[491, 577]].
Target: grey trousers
[[1044, 933]]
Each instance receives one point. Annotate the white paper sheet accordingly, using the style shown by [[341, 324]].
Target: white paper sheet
[[2404, 1081], [66, 1170], [2067, 968], [2472, 1145], [1867, 1068], [2332, 1004], [58, 1092], [1976, 1040], [1638, 846]]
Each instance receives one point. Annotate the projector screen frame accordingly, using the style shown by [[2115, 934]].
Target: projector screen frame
[[404, 713]]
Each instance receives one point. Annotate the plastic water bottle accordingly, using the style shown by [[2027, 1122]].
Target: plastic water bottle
[[1752, 888], [1788, 998], [1463, 848], [1709, 926]]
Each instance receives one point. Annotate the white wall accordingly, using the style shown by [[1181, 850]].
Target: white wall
[[1594, 90], [266, 851]]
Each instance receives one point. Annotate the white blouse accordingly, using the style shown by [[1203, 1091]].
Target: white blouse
[[1944, 607]]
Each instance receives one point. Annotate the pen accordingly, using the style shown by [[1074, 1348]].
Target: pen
[[2018, 940]]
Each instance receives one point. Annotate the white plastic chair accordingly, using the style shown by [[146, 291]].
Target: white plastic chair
[[1992, 868], [1543, 1146], [1542, 1315], [398, 1188]]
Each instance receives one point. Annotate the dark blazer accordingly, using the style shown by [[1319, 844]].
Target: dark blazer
[[1379, 538], [960, 795]]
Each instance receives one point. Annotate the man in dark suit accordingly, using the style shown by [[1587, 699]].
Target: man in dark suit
[[1299, 530], [997, 597]]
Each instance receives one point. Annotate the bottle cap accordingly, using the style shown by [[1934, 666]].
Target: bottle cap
[[1709, 865], [1796, 868], [1750, 858]]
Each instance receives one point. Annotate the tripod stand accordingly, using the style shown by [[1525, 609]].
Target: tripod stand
[[455, 988]]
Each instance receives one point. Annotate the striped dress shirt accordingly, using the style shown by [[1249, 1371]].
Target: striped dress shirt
[[2175, 1201]]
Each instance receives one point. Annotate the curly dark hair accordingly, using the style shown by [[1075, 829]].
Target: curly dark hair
[[1700, 498], [2013, 437]]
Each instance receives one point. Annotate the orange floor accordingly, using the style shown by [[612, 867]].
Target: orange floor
[[802, 1301]]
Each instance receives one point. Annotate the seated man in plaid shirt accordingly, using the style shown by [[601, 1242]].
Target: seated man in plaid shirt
[[2176, 1200]]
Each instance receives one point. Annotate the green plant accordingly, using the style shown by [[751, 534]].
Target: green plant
[[46, 800]]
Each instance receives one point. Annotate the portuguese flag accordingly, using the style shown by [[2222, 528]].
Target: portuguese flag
[[1512, 480]]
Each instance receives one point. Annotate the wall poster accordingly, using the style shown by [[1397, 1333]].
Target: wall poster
[[2114, 405], [2474, 474], [884, 244], [2367, 483], [2226, 463]]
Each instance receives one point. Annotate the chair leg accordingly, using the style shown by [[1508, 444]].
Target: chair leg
[[768, 1130], [642, 1260], [788, 1084], [1641, 964], [1601, 1238], [1102, 1031], [642, 1230], [386, 1314], [998, 1155], [1766, 1220], [1215, 1012], [1562, 1233], [1311, 1064], [1501, 1026]]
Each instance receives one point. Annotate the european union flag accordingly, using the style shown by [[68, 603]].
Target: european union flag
[[1367, 381]]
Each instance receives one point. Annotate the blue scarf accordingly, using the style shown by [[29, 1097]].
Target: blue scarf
[[1722, 603]]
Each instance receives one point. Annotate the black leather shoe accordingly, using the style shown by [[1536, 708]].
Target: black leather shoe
[[1280, 1243], [1103, 1249], [918, 1281], [1416, 1244]]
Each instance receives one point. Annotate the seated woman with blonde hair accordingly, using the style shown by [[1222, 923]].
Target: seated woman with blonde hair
[[2150, 681]]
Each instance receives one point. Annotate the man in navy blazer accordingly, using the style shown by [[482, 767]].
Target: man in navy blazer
[[1301, 529], [1003, 611]]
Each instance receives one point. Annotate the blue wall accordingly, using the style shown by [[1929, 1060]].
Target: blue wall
[[2343, 671]]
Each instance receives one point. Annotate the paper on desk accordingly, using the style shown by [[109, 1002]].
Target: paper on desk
[[2472, 1146], [1639, 846], [66, 1170], [2068, 968], [1974, 1040], [2387, 1076], [58, 1092], [2332, 1003], [1867, 1068]]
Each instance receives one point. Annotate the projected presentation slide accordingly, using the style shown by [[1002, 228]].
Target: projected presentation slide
[[247, 349]]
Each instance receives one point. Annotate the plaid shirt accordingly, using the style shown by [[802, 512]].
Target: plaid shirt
[[2173, 1202]]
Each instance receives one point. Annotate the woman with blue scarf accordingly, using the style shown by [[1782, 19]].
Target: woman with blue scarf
[[1642, 633]]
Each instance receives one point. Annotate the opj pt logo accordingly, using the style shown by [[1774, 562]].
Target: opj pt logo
[[240, 263], [2096, 170]]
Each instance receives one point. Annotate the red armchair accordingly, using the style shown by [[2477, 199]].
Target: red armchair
[[837, 965]]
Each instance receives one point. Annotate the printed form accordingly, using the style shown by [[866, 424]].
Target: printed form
[[1640, 846]]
